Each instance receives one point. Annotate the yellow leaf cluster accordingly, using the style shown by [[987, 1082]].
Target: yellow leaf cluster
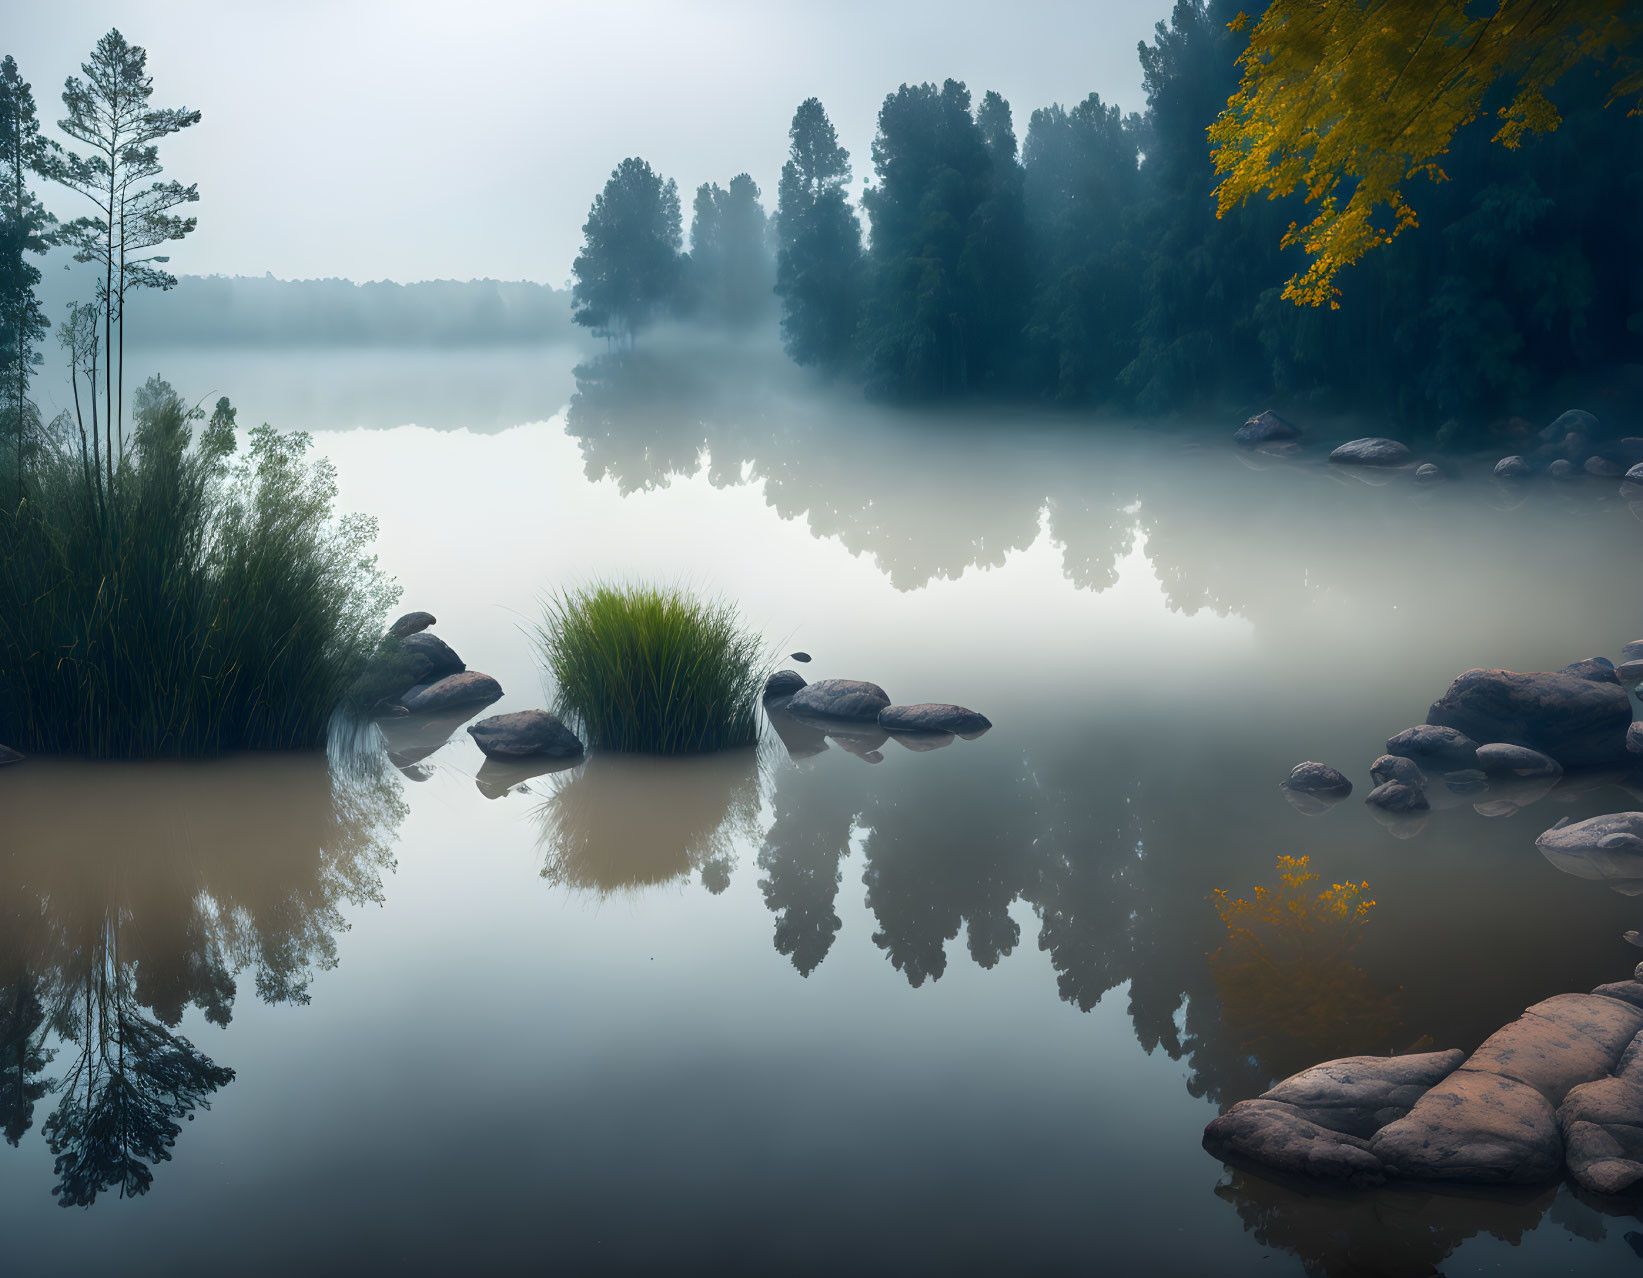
[[1351, 99]]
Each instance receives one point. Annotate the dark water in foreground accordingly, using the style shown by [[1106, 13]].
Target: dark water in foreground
[[964, 1009]]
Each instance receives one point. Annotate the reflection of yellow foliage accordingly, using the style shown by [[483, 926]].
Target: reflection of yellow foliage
[[1352, 99], [1287, 984]]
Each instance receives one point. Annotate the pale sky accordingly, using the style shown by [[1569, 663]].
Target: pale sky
[[422, 140]]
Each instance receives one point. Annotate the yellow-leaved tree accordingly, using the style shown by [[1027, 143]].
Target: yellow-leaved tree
[[1354, 98]]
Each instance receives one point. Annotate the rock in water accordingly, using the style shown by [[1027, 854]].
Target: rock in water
[[1513, 467], [8, 755], [1265, 428], [410, 624], [1612, 832], [525, 733], [1395, 767], [1632, 651], [840, 699], [1428, 742], [933, 716], [1395, 796], [1371, 451], [1598, 669], [453, 690], [1502, 760], [1629, 673], [1561, 468], [1576, 721], [1318, 779], [1479, 1127], [440, 657], [784, 683], [1427, 473]]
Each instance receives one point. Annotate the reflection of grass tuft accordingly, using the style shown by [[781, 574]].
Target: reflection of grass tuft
[[653, 669]]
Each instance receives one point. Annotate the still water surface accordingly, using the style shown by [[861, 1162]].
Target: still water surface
[[823, 1005]]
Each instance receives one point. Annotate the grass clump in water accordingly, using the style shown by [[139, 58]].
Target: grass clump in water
[[182, 600], [654, 669]]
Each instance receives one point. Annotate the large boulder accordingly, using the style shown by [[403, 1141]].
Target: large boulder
[[1430, 743], [441, 659], [1372, 450], [461, 689], [784, 683], [1475, 1127], [1576, 721], [933, 716], [8, 755], [839, 699], [410, 624], [1279, 1137], [1501, 760], [1560, 1043], [1359, 1095], [1265, 428], [1395, 767], [523, 734]]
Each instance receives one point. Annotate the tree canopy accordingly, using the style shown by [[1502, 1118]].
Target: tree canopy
[[1354, 100], [628, 269]]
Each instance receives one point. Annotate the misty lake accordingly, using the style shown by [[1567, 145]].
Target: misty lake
[[830, 1005]]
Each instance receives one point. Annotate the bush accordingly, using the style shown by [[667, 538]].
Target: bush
[[653, 669], [189, 604]]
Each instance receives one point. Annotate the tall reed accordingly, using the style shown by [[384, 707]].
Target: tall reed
[[195, 603], [653, 669]]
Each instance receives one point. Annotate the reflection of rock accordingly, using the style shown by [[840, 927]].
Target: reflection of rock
[[1466, 781], [921, 742], [1576, 721], [627, 821], [410, 624], [1371, 451], [468, 688], [783, 683], [412, 739], [933, 717], [525, 733], [839, 699], [497, 778], [442, 660], [801, 739], [1395, 767]]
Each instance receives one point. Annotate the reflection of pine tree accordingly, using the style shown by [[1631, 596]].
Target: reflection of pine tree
[[23, 1058], [800, 860], [130, 1082]]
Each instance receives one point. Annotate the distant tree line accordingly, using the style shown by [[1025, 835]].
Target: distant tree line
[[1086, 264]]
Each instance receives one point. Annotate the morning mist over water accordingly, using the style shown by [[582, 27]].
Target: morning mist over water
[[903, 639]]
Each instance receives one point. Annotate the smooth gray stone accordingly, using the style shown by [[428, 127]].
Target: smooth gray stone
[[933, 716], [840, 699], [1427, 473], [525, 733], [1561, 468], [1265, 428], [1395, 796], [1513, 467], [1612, 832], [410, 624], [1428, 741], [440, 656], [799, 656], [1499, 759], [784, 683], [1372, 450], [460, 689]]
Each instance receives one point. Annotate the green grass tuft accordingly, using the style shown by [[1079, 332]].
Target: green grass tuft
[[195, 602], [653, 669]]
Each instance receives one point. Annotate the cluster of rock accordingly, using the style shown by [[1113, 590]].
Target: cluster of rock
[[1573, 445], [433, 680], [1570, 446], [1560, 1088], [1498, 739], [859, 717]]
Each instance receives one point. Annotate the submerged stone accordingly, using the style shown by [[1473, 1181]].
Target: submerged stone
[[1372, 450], [933, 716], [453, 690], [1316, 781], [525, 733]]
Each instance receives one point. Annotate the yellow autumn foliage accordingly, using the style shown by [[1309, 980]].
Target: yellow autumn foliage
[[1351, 99], [1289, 990]]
